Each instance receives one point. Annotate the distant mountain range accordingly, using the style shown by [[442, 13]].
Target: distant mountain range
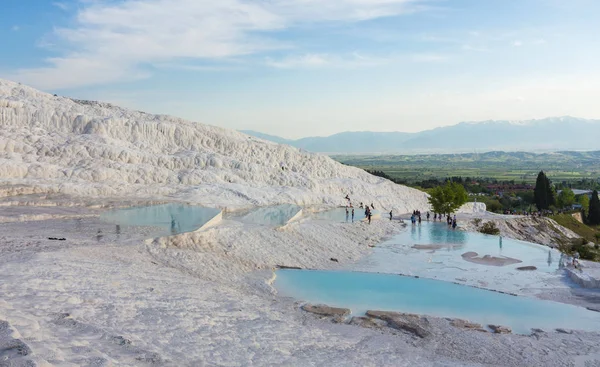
[[550, 134]]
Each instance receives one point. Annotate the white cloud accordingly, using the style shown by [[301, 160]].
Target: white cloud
[[112, 41], [350, 61], [15, 28], [302, 61], [314, 61], [517, 43], [60, 5]]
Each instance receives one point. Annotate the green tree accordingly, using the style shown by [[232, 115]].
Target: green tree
[[448, 198], [584, 200], [543, 193], [566, 198], [594, 212], [527, 197]]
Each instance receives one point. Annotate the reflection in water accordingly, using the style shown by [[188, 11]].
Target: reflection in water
[[361, 291], [438, 244], [277, 215], [174, 226], [171, 218], [437, 233]]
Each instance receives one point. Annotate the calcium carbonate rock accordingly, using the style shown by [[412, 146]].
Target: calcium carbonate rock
[[368, 322], [414, 324], [59, 145], [337, 314], [497, 329], [464, 324]]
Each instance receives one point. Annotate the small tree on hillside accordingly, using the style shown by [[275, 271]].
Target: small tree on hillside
[[543, 193], [594, 212], [584, 200], [566, 198], [448, 198]]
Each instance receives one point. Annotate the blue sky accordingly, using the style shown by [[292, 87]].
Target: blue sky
[[299, 68]]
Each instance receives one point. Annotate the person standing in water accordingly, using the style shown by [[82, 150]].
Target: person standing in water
[[390, 215], [454, 224], [352, 215], [428, 216], [347, 214]]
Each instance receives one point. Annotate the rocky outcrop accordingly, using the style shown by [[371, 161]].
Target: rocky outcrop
[[336, 314], [367, 322], [497, 329], [414, 324], [543, 231], [464, 324]]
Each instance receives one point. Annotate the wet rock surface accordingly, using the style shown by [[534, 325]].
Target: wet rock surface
[[288, 267], [413, 324], [498, 329], [336, 314], [368, 322], [526, 268], [464, 324]]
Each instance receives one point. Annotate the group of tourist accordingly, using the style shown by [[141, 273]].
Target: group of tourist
[[348, 213], [451, 221], [368, 208], [416, 217]]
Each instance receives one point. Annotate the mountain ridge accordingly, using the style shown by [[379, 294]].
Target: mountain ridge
[[491, 135]]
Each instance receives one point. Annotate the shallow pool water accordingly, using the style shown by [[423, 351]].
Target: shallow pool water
[[277, 215], [170, 218], [398, 255], [387, 292]]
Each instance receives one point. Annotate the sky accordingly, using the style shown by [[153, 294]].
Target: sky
[[297, 68]]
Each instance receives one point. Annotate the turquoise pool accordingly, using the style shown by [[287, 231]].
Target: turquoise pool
[[277, 215], [399, 255], [387, 292], [169, 218]]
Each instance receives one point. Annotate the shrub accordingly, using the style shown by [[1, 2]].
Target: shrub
[[477, 222], [586, 252], [489, 228]]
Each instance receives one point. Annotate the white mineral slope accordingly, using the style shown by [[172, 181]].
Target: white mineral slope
[[55, 144]]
